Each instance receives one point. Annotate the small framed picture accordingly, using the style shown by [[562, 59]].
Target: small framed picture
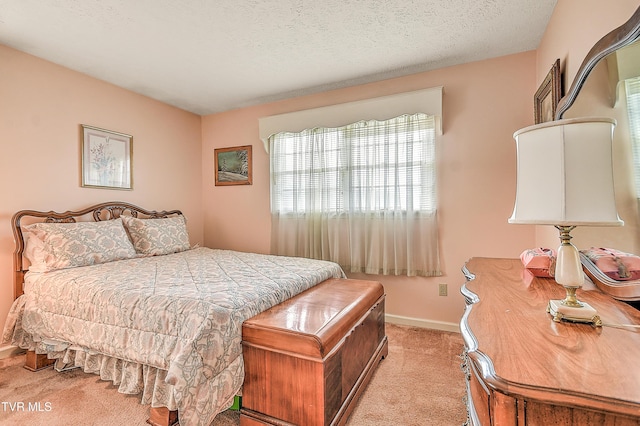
[[233, 166], [106, 159], [548, 96]]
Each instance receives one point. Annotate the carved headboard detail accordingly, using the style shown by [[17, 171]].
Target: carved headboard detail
[[99, 212]]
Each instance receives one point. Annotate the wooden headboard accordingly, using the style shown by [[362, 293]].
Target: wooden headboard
[[96, 213]]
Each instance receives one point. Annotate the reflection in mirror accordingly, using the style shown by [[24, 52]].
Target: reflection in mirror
[[629, 73], [604, 84]]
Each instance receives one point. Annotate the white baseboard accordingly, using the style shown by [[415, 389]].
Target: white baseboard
[[417, 322], [9, 351]]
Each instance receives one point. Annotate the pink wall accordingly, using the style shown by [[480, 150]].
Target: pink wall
[[576, 25], [484, 102], [41, 108]]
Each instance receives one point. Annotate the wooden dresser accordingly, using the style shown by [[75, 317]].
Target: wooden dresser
[[523, 368]]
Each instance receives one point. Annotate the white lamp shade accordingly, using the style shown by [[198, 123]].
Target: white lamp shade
[[565, 173]]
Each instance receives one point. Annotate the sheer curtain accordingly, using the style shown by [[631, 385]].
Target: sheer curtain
[[362, 195]]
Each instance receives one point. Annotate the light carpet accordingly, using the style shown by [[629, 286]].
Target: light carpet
[[419, 383]]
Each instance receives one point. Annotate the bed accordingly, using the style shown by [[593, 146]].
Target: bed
[[117, 290]]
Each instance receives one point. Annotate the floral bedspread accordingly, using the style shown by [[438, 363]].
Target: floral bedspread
[[179, 315]]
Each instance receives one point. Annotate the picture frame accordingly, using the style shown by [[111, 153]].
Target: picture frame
[[106, 159], [548, 95], [233, 166]]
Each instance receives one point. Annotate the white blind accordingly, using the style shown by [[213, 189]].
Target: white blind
[[368, 166], [632, 87], [363, 195]]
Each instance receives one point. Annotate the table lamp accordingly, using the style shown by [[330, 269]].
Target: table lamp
[[565, 179]]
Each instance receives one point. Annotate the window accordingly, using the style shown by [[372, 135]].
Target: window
[[363, 195]]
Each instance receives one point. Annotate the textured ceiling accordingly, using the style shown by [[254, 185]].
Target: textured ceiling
[[208, 56]]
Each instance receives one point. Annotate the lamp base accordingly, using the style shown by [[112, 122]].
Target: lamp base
[[585, 314]]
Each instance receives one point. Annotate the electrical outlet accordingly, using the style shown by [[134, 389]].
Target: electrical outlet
[[442, 291]]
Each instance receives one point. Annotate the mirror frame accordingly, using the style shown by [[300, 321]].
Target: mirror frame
[[620, 37]]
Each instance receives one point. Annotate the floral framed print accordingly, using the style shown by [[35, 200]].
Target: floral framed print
[[548, 96], [233, 166], [106, 159]]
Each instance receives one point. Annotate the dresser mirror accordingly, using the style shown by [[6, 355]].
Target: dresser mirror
[[600, 90]]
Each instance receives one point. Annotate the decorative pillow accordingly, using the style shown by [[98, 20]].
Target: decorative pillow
[[616, 264], [153, 237], [51, 246], [34, 251]]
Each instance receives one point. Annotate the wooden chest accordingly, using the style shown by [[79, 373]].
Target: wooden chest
[[308, 359]]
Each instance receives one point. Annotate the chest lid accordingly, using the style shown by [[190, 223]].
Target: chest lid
[[313, 322]]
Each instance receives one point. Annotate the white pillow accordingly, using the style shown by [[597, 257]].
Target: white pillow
[[153, 237], [51, 246]]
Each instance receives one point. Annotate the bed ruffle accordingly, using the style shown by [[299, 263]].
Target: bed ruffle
[[13, 325], [129, 377]]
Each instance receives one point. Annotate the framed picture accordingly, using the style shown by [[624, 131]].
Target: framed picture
[[548, 95], [233, 166], [106, 159]]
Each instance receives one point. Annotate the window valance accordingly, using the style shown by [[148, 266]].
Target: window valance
[[428, 101]]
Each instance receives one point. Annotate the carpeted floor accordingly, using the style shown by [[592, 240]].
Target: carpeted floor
[[419, 383]]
